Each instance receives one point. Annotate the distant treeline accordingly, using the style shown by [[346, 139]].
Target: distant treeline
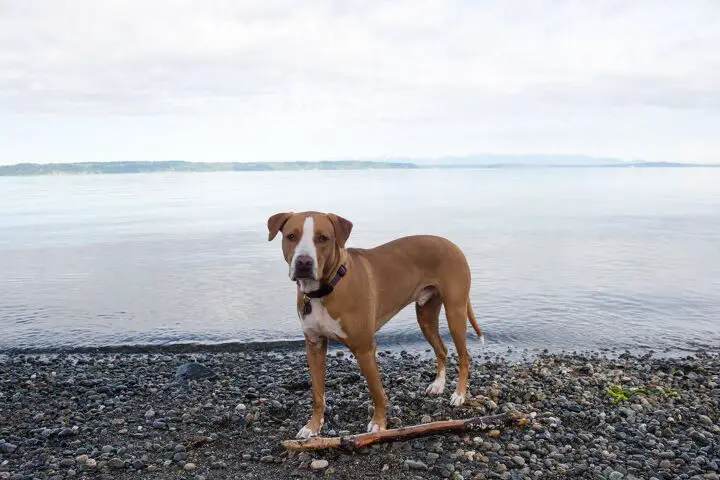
[[89, 168], [92, 168]]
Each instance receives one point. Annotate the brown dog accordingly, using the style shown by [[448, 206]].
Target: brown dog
[[349, 294]]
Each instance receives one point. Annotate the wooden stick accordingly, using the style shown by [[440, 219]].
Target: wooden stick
[[352, 442]]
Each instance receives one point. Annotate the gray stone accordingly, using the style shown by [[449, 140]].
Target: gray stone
[[193, 371], [705, 420], [415, 465], [8, 448]]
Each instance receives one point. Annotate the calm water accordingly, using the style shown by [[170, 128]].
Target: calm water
[[568, 259]]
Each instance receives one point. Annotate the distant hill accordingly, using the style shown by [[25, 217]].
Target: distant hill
[[88, 168], [477, 161]]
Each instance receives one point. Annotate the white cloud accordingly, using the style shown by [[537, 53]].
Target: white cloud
[[228, 80]]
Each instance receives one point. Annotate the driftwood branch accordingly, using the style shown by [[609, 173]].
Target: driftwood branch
[[352, 442]]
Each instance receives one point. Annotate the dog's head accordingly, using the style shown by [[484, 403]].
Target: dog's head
[[312, 242]]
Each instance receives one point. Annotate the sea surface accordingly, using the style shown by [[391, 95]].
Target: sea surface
[[569, 259]]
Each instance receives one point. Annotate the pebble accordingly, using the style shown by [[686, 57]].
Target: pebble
[[116, 463], [7, 447], [189, 467], [319, 464], [193, 371], [415, 465]]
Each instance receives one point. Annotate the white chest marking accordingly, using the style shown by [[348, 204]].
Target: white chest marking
[[318, 323]]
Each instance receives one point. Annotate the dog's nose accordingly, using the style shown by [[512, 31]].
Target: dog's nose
[[304, 262]]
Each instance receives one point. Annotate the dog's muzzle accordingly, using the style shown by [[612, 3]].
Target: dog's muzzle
[[304, 268]]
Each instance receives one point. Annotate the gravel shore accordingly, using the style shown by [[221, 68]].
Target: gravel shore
[[125, 416]]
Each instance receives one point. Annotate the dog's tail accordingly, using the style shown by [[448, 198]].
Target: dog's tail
[[473, 322]]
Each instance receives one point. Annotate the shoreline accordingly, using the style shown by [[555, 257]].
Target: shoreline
[[120, 415], [386, 345]]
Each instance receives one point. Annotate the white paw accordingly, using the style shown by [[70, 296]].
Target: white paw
[[373, 427], [456, 400], [436, 388], [306, 432]]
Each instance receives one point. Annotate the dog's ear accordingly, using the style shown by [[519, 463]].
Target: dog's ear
[[275, 224], [342, 227]]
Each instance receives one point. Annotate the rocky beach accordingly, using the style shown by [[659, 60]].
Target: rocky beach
[[223, 415]]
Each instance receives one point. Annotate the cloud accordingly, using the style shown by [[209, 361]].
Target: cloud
[[393, 72]]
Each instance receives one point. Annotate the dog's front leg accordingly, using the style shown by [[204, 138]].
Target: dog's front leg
[[316, 352], [369, 368]]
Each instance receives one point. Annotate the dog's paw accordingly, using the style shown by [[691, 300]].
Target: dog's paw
[[306, 432], [374, 427], [457, 399], [437, 387]]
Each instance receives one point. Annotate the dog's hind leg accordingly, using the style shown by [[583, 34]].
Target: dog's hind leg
[[457, 323], [428, 316]]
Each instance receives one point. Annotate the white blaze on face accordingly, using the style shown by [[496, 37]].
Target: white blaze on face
[[306, 246]]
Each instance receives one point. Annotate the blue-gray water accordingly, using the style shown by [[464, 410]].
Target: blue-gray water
[[573, 259]]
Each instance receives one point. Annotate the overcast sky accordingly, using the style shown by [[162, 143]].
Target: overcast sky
[[216, 80]]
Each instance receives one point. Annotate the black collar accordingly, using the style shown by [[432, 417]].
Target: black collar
[[324, 290]]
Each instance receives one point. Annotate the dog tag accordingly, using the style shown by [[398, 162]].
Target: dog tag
[[307, 307]]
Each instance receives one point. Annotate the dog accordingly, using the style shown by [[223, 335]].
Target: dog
[[348, 294]]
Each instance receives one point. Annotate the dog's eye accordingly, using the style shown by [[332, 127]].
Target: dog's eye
[[322, 238], [291, 237]]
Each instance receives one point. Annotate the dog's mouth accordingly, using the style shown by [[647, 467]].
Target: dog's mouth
[[302, 274]]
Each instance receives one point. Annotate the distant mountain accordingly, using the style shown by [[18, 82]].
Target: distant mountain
[[522, 160], [476, 161]]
